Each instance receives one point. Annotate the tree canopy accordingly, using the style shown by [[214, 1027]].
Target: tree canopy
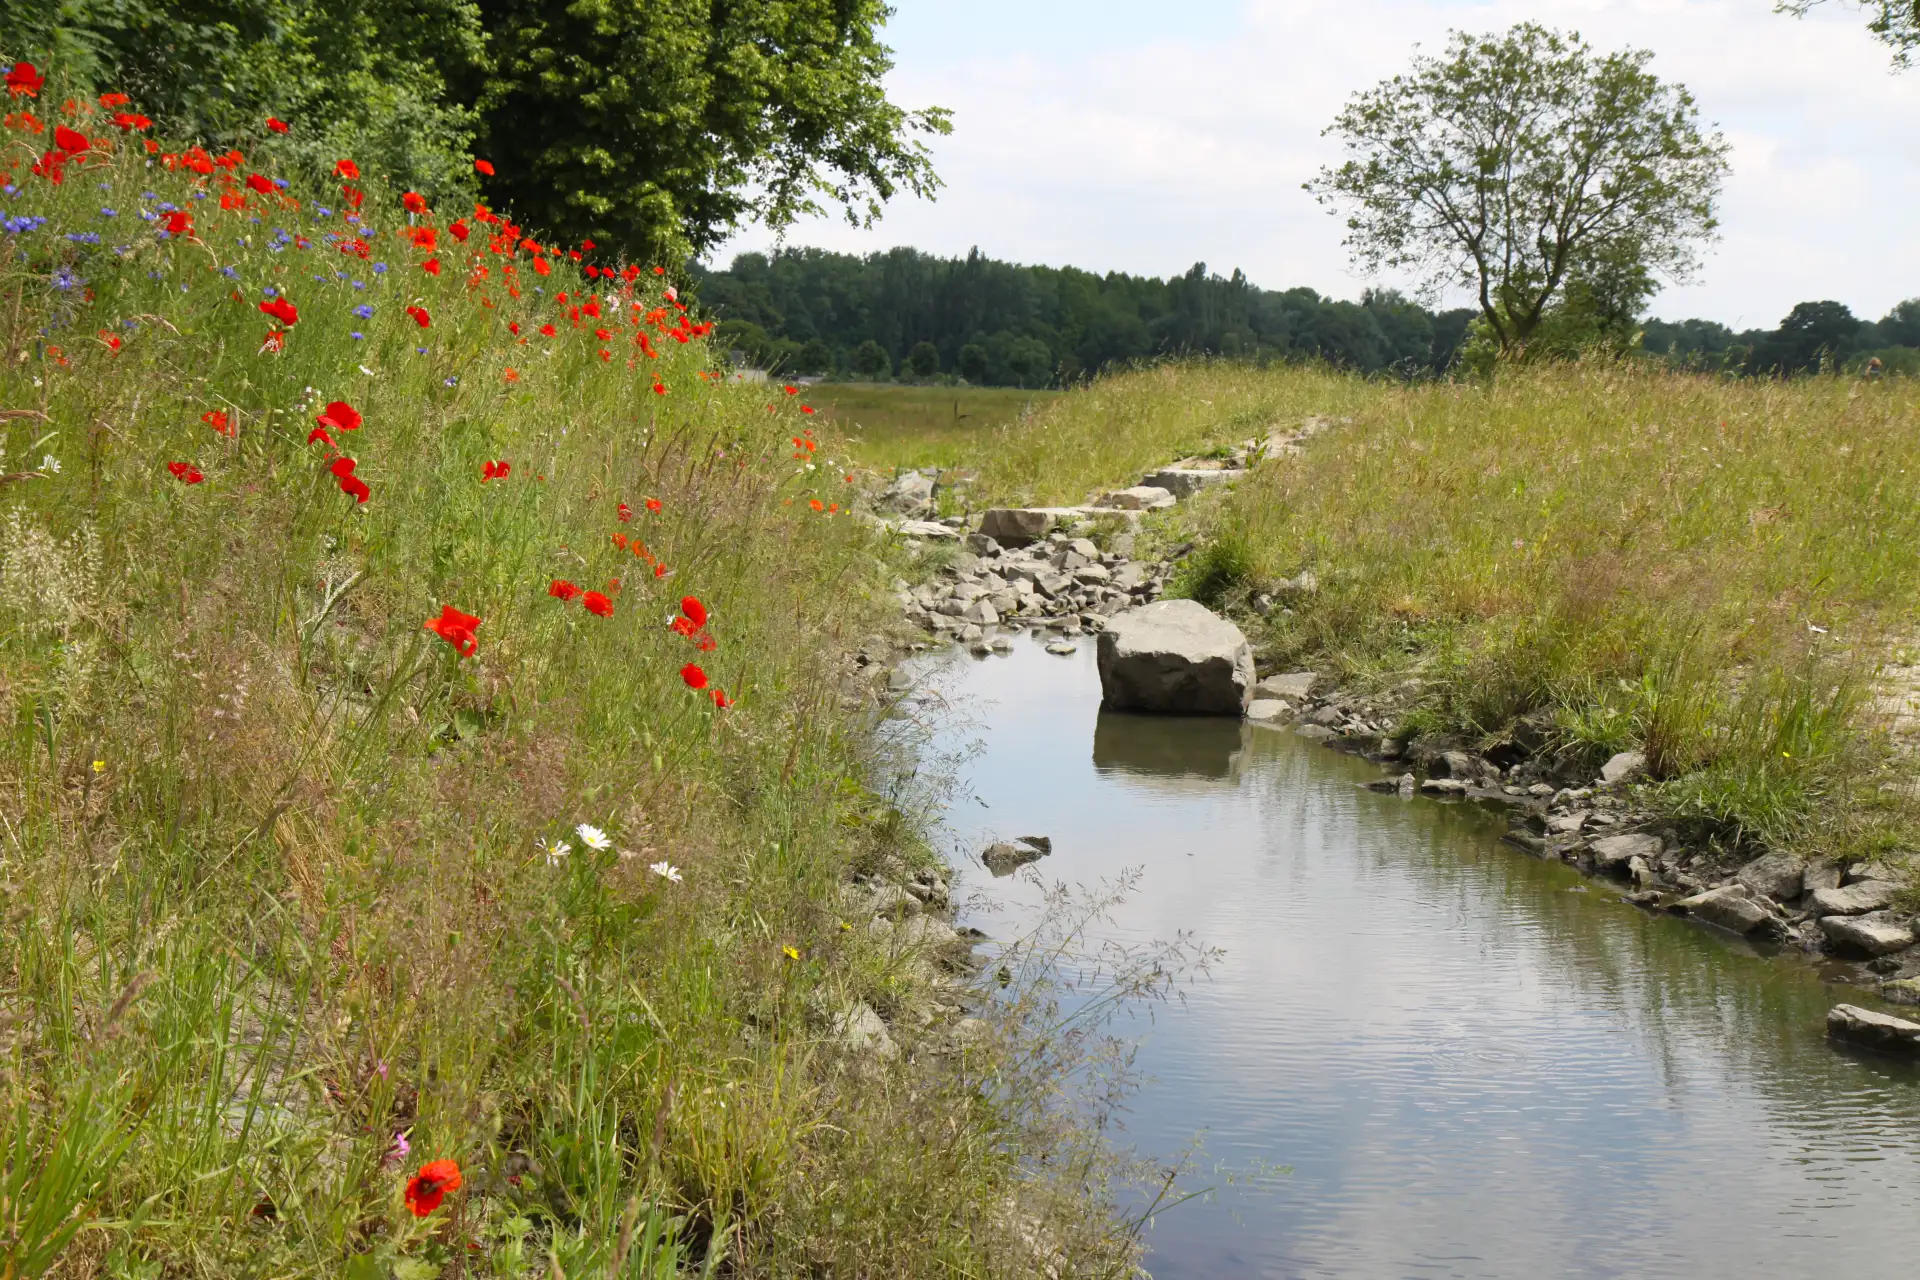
[[1518, 163], [649, 126]]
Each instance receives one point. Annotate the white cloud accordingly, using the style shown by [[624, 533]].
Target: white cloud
[[1143, 138]]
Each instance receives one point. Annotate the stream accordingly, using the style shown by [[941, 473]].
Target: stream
[[1470, 1062]]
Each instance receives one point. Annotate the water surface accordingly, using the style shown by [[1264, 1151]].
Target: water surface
[[1475, 1063]]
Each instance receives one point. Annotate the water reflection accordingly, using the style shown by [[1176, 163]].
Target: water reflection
[[1475, 1062]]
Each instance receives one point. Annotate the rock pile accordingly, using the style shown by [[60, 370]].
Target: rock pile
[[1061, 582]]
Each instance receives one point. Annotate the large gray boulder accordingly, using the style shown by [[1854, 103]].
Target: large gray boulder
[[1854, 899], [1731, 907], [1015, 526], [911, 493], [1777, 875], [1616, 853], [1175, 656], [1872, 1030], [1878, 934]]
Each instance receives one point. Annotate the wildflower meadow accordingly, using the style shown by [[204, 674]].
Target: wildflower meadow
[[429, 768]]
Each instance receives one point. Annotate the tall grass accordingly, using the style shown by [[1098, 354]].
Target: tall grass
[[285, 915], [1708, 569]]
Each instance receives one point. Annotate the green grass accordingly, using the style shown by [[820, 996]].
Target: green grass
[[903, 426], [1624, 555], [272, 854]]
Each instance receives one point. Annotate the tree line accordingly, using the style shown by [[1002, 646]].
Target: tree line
[[916, 317]]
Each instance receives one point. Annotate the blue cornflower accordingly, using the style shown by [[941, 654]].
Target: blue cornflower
[[421, 350], [231, 273], [364, 311], [84, 237], [454, 381], [321, 211], [268, 291], [358, 336], [379, 268], [108, 213], [359, 284], [65, 280]]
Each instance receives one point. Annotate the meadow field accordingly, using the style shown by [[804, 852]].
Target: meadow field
[[891, 425], [433, 766]]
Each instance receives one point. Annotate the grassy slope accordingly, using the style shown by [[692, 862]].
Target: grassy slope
[[903, 426], [269, 868], [1640, 556]]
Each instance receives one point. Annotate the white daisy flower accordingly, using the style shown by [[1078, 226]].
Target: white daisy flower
[[666, 871], [556, 852], [593, 837]]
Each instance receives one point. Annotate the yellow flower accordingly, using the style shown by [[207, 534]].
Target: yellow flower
[[99, 766], [791, 953], [845, 927]]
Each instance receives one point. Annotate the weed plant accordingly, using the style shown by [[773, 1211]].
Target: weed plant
[[427, 737], [1708, 569]]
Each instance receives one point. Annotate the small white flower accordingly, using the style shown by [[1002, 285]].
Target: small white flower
[[593, 837], [366, 371], [666, 871], [556, 852], [50, 465]]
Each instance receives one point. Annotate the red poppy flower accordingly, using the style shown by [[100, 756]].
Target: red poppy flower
[[427, 1188], [626, 513], [695, 611], [24, 80], [431, 266], [282, 310], [218, 420], [114, 99], [806, 408], [342, 467], [694, 676], [659, 271], [460, 231], [548, 330], [561, 589], [414, 202], [340, 414], [653, 504], [513, 374], [597, 604], [420, 316], [71, 141], [704, 642], [353, 196], [620, 541], [319, 436], [179, 222], [185, 472], [278, 126], [456, 628], [356, 488], [495, 471], [261, 183], [659, 571], [129, 121], [658, 389], [483, 167], [347, 169], [275, 341], [817, 505], [682, 627], [721, 700]]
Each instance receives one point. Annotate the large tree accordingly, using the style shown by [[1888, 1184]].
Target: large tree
[[1895, 23], [659, 125], [1518, 163]]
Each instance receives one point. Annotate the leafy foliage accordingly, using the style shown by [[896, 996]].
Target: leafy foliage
[[1519, 163]]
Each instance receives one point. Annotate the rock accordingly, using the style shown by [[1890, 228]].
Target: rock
[[1174, 656], [1873, 1030], [1184, 482], [1821, 875], [1774, 875], [1091, 574], [1315, 732], [1052, 583], [1623, 767], [1614, 853], [926, 931], [1043, 843], [911, 493], [1876, 935], [982, 613], [1129, 576], [859, 1028], [1568, 824], [1731, 908], [1004, 859], [1267, 710], [1139, 498], [1641, 871], [930, 530], [1061, 648], [1294, 685], [1001, 644], [1304, 584], [1455, 764], [1853, 899], [1014, 526], [1332, 717], [1901, 990], [1444, 787], [891, 900], [982, 545]]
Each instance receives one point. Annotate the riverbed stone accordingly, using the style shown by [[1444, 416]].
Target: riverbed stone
[[1821, 875], [1003, 859], [1444, 787], [1614, 853], [860, 1029], [1184, 482], [1293, 686], [1015, 526], [1060, 648], [1901, 990], [1267, 710], [1174, 656], [1140, 497], [1624, 767], [1877, 934], [1731, 907], [931, 530], [911, 493], [1774, 875], [1853, 899], [1873, 1030]]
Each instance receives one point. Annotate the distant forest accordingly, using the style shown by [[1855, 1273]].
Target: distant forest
[[910, 316]]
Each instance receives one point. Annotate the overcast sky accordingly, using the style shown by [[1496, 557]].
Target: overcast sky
[[1137, 136]]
